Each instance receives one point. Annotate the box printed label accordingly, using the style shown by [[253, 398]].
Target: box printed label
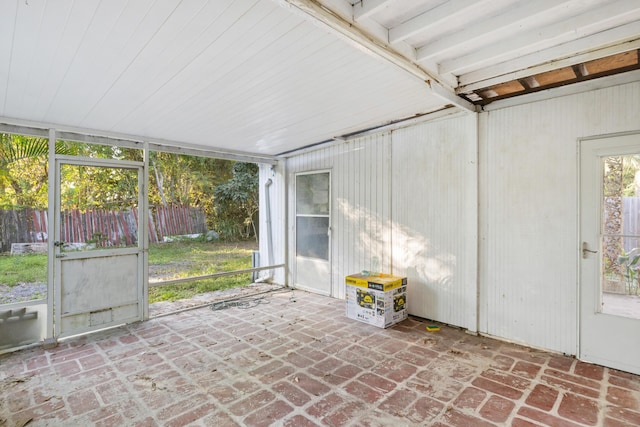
[[377, 307], [366, 299]]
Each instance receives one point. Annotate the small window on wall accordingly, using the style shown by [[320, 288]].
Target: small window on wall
[[312, 215]]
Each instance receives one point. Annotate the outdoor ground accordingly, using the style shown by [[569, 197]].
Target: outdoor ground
[[291, 358], [24, 277]]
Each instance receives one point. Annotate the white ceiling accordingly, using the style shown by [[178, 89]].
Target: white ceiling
[[270, 76]]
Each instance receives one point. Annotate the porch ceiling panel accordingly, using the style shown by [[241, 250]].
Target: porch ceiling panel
[[243, 75], [270, 76]]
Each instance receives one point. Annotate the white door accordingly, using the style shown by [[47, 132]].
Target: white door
[[610, 252], [312, 231], [98, 255]]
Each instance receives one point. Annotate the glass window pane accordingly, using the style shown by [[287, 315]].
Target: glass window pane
[[312, 194], [98, 207], [620, 293], [621, 236], [312, 239]]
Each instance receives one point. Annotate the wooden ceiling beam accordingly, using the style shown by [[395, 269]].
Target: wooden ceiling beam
[[315, 11], [428, 19], [365, 8], [537, 39], [490, 28], [540, 62]]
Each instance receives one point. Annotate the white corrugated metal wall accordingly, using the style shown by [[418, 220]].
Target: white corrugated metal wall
[[410, 203], [529, 211], [360, 193], [435, 218], [415, 197]]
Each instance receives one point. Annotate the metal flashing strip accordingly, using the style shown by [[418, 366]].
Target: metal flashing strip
[[23, 127], [214, 153], [387, 127], [23, 130]]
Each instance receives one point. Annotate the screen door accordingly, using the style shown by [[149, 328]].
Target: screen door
[[98, 253], [313, 232]]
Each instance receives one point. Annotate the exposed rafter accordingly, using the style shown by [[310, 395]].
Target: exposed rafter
[[542, 61], [426, 20], [584, 86], [361, 40], [364, 9], [489, 28], [590, 22]]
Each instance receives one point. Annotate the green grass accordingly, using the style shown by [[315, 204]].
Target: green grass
[[187, 290], [166, 261], [27, 268], [187, 259]]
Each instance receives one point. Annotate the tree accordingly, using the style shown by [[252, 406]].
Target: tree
[[174, 179], [613, 187], [236, 203], [24, 165], [191, 180], [24, 169]]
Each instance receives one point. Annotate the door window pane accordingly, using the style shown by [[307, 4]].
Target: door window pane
[[312, 215], [312, 194], [98, 207], [312, 238], [620, 241]]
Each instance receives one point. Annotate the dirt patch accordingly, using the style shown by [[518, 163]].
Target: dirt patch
[[162, 272], [31, 291], [166, 307], [22, 292]]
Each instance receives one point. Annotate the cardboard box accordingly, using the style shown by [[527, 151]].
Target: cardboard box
[[377, 300]]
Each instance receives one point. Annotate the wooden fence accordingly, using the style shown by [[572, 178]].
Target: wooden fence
[[99, 226], [631, 227]]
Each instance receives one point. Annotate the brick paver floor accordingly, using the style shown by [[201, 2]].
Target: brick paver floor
[[294, 359]]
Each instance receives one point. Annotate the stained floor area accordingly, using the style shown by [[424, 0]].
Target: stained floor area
[[291, 358]]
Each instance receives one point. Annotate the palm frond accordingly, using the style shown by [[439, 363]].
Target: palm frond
[[17, 147]]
